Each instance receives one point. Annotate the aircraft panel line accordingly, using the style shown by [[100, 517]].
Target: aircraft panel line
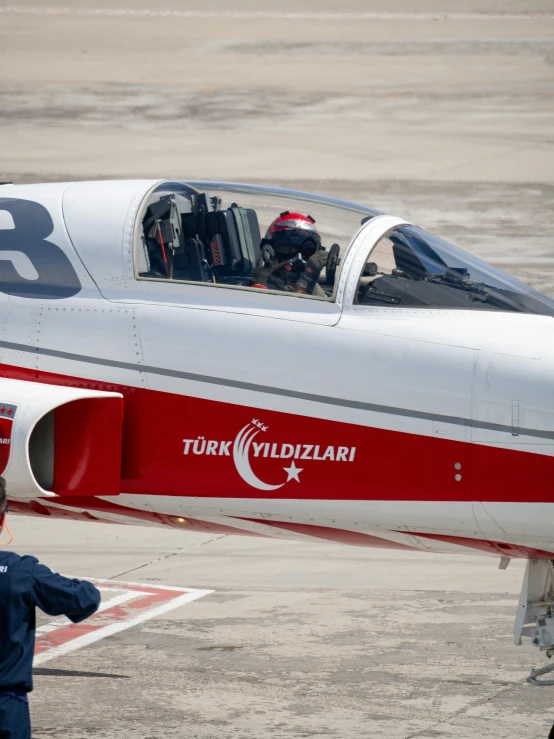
[[283, 392]]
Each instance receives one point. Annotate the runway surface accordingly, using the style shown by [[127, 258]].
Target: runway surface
[[441, 113], [297, 640]]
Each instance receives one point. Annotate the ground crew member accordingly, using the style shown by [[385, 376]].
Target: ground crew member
[[24, 585], [293, 257]]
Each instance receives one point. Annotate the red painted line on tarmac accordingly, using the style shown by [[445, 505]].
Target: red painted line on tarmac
[[99, 620], [138, 603]]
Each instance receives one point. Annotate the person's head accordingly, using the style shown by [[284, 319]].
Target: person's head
[[3, 502], [291, 233]]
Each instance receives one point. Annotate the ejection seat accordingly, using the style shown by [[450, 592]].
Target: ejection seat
[[239, 231], [193, 241]]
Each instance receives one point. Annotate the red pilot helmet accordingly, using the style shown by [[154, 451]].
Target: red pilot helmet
[[291, 233]]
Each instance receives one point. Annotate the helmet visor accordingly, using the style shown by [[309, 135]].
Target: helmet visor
[[290, 241]]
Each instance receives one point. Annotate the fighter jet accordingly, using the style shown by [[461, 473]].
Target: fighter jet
[[251, 360]]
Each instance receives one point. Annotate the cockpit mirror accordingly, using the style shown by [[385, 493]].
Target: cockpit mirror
[[370, 269]]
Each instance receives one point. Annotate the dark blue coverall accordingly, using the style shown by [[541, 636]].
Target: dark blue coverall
[[24, 585]]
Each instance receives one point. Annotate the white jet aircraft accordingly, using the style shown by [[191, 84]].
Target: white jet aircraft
[[249, 360]]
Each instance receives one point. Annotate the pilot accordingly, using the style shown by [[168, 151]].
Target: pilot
[[292, 255], [24, 585]]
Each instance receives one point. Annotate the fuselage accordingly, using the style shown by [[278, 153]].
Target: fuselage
[[250, 412]]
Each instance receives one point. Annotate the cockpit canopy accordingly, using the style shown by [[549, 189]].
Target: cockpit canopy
[[217, 234], [411, 268]]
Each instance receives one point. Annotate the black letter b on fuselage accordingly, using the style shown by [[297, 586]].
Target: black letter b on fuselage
[[56, 276]]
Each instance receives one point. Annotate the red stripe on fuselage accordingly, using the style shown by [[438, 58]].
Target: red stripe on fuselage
[[386, 465], [491, 547], [48, 507], [340, 536]]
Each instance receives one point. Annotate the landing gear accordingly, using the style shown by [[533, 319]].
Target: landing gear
[[535, 615], [537, 673]]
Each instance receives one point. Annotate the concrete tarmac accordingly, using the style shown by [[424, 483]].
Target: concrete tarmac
[[440, 112], [298, 640], [404, 97]]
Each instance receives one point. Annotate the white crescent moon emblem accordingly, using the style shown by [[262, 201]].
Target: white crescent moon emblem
[[241, 451]]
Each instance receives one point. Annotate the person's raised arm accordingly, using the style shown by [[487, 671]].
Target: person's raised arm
[[57, 595]]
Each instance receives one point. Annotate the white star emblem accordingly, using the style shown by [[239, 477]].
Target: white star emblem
[[293, 472]]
